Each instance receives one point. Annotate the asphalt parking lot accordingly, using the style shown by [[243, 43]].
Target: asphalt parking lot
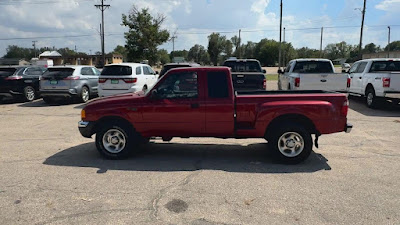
[[49, 174]]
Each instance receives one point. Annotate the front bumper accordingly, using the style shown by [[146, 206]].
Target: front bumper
[[86, 128], [348, 128], [59, 93]]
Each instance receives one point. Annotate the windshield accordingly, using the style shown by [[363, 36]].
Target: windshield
[[385, 66], [248, 66], [5, 72], [313, 67], [117, 70]]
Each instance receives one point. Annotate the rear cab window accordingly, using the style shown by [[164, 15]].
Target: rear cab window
[[117, 71], [313, 67], [243, 66], [385, 66], [217, 83]]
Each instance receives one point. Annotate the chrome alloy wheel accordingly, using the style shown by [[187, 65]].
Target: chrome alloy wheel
[[370, 98], [114, 141], [291, 144], [85, 94], [30, 93]]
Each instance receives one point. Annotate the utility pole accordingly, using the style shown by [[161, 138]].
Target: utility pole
[[284, 48], [362, 29], [388, 43], [280, 40], [102, 8], [238, 47], [173, 45], [320, 46], [34, 47]]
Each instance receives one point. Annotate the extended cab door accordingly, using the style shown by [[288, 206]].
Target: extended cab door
[[356, 76], [220, 105], [175, 108]]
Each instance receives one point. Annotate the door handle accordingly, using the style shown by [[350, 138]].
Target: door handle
[[360, 78], [323, 80], [194, 105]]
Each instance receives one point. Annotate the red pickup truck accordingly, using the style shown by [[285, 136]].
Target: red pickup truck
[[201, 102]]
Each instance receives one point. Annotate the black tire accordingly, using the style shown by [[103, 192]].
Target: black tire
[[84, 96], [29, 94], [295, 149], [370, 98], [289, 88], [126, 141], [48, 100]]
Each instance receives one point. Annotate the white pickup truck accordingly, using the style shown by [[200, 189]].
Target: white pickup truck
[[312, 74], [377, 79]]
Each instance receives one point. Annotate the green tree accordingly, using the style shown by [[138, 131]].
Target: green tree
[[144, 35], [393, 46], [305, 52], [179, 53], [14, 51], [163, 56], [338, 50], [216, 45], [120, 50], [248, 50], [267, 52], [236, 42], [198, 54], [228, 48], [371, 48]]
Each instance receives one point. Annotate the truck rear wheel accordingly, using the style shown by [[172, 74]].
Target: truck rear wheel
[[371, 99], [116, 141], [291, 143]]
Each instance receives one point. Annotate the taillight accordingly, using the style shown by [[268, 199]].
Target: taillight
[[348, 82], [265, 84], [345, 108], [71, 78], [130, 80], [297, 82], [13, 78], [102, 80], [386, 82]]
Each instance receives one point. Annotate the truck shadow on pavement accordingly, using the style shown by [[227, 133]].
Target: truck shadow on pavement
[[385, 109], [168, 157], [40, 103]]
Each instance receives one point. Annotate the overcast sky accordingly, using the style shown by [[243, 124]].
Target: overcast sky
[[194, 20]]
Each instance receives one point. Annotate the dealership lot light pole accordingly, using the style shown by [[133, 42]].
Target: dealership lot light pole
[[102, 8]]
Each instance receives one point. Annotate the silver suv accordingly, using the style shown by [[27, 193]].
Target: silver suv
[[78, 82]]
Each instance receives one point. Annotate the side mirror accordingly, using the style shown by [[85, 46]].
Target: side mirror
[[264, 71], [280, 71], [154, 94]]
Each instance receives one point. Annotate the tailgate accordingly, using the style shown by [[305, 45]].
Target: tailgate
[[324, 81], [115, 82], [248, 81], [57, 79], [394, 81]]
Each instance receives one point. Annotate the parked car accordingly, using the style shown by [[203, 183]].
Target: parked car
[[73, 82], [169, 66], [20, 82], [201, 102], [376, 79], [126, 77], [247, 74], [312, 74]]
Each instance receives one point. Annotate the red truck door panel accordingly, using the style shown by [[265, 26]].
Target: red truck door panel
[[219, 104], [179, 108]]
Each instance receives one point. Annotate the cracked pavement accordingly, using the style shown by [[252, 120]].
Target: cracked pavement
[[49, 174]]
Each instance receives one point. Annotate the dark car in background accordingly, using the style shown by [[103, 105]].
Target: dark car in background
[[169, 66], [247, 74], [20, 82]]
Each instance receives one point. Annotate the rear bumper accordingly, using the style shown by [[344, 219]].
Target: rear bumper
[[348, 128], [86, 128], [110, 92], [59, 93], [392, 95]]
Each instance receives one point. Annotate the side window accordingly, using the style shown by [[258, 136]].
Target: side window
[[96, 71], [217, 85], [353, 69], [138, 70], [151, 71], [87, 71], [179, 86], [287, 69], [33, 71], [361, 67]]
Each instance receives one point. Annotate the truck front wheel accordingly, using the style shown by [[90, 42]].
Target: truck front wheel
[[116, 141], [291, 143]]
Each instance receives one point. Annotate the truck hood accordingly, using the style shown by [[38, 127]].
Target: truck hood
[[116, 100]]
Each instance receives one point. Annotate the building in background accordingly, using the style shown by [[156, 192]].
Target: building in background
[[391, 54], [80, 59]]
